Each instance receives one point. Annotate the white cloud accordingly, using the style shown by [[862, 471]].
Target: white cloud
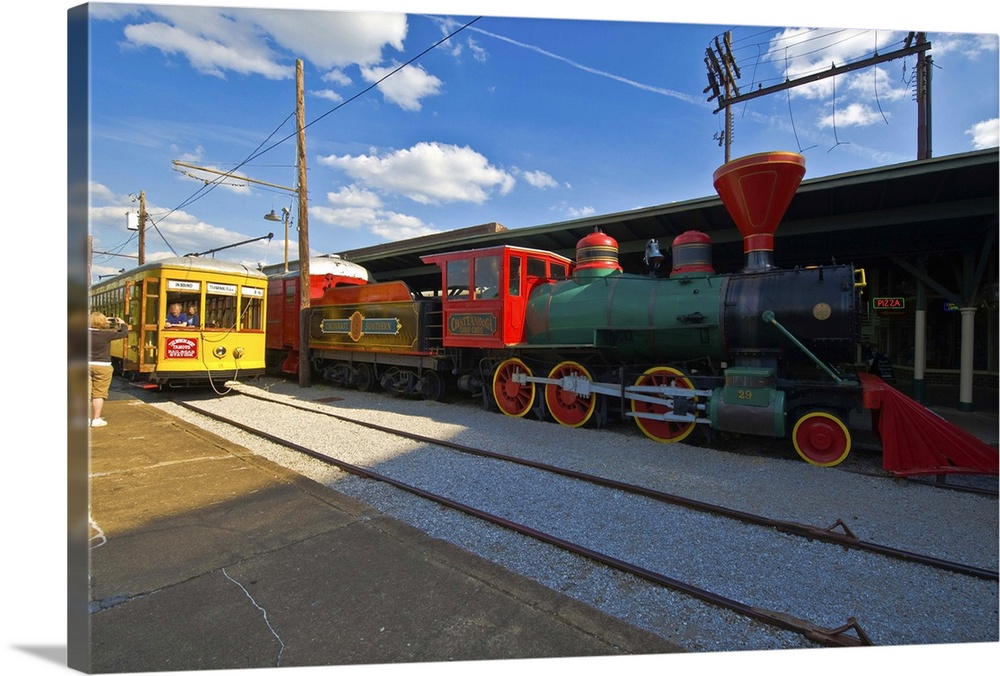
[[428, 173], [352, 218], [195, 156], [853, 115], [331, 39], [327, 94], [539, 179], [478, 53], [393, 227], [217, 41], [355, 208], [407, 87], [985, 134], [580, 212], [337, 77], [169, 232], [207, 55], [353, 196], [970, 45], [389, 225], [100, 192], [797, 52], [869, 82]]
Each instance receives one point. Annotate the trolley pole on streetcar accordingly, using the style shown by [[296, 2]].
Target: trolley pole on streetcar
[[304, 284]]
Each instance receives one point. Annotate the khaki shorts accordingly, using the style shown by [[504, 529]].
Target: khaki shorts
[[100, 381]]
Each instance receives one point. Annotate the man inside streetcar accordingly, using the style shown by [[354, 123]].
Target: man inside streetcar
[[175, 317], [192, 315]]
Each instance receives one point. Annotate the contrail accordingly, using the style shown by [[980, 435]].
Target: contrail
[[639, 85]]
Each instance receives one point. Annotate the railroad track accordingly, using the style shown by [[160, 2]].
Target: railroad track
[[837, 533], [845, 631]]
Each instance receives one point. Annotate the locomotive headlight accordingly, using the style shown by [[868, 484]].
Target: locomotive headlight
[[219, 352], [238, 352]]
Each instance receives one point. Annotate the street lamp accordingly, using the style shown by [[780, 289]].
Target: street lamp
[[274, 217]]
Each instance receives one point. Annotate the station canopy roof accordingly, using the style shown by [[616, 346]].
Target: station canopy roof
[[935, 206]]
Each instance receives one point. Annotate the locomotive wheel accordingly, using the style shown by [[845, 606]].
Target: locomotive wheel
[[821, 438], [664, 431], [432, 386], [513, 398], [364, 377], [569, 408]]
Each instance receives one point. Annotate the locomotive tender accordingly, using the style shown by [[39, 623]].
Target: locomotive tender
[[756, 352]]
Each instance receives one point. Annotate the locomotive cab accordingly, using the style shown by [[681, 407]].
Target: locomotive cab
[[485, 292]]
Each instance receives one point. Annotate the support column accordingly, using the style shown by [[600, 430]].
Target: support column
[[920, 333], [965, 364], [920, 345]]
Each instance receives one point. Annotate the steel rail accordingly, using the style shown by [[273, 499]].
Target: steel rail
[[829, 534], [934, 483], [830, 637]]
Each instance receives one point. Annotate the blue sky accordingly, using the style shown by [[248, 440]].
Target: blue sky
[[521, 120]]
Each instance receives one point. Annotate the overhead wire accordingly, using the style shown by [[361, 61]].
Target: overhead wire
[[257, 152], [770, 46], [875, 83], [799, 41], [365, 90]]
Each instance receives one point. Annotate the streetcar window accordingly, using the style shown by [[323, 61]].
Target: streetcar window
[[220, 311], [183, 301], [253, 315], [151, 290]]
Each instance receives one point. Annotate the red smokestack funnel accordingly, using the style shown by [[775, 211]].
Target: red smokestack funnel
[[756, 191]]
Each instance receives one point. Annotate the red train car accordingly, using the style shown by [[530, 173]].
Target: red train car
[[283, 305]]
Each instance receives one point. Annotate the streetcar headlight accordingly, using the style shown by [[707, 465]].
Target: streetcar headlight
[[219, 352]]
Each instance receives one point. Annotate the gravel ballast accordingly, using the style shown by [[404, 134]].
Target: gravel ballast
[[895, 602]]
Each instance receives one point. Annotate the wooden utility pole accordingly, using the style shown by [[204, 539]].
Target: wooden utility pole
[[723, 87], [142, 227], [923, 103], [722, 69], [304, 281]]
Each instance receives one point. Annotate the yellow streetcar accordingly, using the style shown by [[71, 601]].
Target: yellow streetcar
[[192, 321]]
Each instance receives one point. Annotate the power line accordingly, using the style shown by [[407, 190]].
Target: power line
[[211, 185], [724, 72]]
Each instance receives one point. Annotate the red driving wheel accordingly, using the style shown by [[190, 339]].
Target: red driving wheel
[[665, 431], [513, 398], [566, 406]]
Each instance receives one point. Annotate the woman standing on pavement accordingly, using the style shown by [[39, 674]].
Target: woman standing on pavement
[[102, 332]]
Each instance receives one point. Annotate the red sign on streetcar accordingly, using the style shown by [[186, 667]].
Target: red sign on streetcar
[[180, 348]]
